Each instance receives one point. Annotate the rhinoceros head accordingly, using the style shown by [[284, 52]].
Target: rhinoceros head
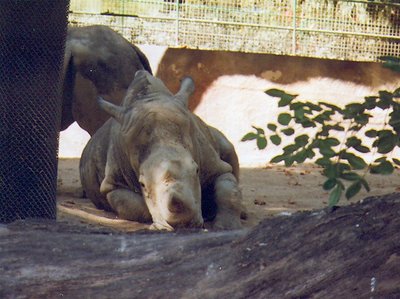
[[156, 134]]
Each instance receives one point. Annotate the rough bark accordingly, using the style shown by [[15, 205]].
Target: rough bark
[[353, 251]]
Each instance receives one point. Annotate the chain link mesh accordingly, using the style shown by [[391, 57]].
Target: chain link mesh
[[338, 29], [32, 39]]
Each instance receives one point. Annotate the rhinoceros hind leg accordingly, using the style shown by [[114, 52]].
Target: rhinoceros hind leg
[[228, 199], [128, 205]]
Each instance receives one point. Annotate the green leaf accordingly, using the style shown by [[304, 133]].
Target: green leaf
[[331, 171], [249, 136], [384, 167], [328, 114], [327, 152], [288, 131], [354, 108], [301, 140], [320, 119], [353, 189], [291, 148], [310, 153], [329, 184], [362, 119], [278, 158], [260, 131], [385, 95], [284, 119], [323, 161], [355, 161], [362, 149], [387, 142], [371, 133], [365, 184], [306, 123], [301, 156], [394, 120], [289, 161], [313, 106], [333, 107], [370, 102], [396, 161], [350, 176], [335, 195], [277, 93], [299, 113], [331, 141], [285, 100], [261, 142], [396, 93], [342, 167], [355, 128], [272, 127], [337, 128], [379, 160], [388, 58], [285, 97], [275, 139], [353, 141], [385, 99]]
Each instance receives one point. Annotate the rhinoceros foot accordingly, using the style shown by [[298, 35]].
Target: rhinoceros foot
[[228, 199], [128, 205], [227, 221]]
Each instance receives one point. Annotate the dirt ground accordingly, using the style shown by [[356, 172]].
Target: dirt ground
[[272, 190]]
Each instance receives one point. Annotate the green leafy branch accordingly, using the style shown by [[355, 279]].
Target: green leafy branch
[[342, 160]]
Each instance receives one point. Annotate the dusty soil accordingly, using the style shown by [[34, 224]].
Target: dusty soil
[[273, 190]]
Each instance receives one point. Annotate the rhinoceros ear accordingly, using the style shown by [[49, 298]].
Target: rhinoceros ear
[[186, 90], [115, 111]]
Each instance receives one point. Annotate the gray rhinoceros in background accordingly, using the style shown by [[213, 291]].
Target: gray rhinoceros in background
[[98, 62], [154, 160]]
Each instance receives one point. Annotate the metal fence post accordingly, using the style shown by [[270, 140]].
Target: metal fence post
[[294, 37], [177, 22]]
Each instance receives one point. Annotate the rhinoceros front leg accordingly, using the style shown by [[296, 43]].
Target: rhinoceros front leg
[[228, 199], [128, 205]]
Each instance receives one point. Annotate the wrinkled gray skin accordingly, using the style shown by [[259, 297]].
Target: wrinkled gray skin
[[154, 160], [98, 62]]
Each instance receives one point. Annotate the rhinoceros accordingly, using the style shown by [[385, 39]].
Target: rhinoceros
[[156, 161], [98, 62]]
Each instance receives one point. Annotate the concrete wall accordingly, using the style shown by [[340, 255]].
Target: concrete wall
[[230, 90]]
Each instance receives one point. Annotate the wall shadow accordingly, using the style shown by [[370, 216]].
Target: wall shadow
[[206, 66]]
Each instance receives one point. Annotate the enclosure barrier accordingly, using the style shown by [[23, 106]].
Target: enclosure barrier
[[336, 29], [32, 38]]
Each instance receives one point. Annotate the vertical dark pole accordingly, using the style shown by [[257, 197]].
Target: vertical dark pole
[[32, 39]]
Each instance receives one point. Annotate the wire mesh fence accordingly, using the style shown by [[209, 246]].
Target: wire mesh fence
[[336, 29], [32, 35]]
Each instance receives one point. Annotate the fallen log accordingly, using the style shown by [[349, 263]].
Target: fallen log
[[351, 251]]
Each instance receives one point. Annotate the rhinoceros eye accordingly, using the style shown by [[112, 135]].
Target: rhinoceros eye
[[142, 185]]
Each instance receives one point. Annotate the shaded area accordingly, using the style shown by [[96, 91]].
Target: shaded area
[[353, 251], [268, 191]]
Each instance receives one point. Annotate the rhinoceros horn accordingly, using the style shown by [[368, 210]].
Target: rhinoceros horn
[[185, 91], [145, 86], [115, 111]]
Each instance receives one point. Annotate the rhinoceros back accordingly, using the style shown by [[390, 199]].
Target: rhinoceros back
[[92, 165]]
